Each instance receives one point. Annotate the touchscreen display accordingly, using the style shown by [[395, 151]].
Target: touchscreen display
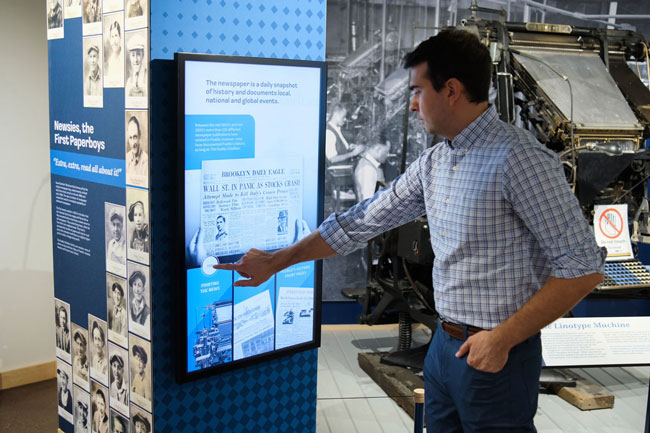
[[251, 142]]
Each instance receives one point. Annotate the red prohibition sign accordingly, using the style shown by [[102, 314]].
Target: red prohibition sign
[[606, 222]]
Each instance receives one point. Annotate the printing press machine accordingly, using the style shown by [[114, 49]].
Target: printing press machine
[[577, 90]]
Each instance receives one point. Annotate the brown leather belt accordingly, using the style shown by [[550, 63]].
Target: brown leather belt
[[456, 331]]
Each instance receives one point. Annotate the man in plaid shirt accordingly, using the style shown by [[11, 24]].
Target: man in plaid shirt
[[513, 251]]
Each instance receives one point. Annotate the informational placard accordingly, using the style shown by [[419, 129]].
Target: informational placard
[[593, 341], [611, 230], [251, 134]]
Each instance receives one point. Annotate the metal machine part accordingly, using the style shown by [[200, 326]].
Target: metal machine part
[[573, 89]]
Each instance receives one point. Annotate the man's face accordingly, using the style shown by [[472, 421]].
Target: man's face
[[140, 427], [116, 229], [101, 405], [221, 223], [139, 364], [92, 60], [117, 372], [98, 341], [138, 289], [117, 427], [134, 137], [63, 318], [135, 56], [117, 297], [91, 9], [138, 217], [426, 101], [81, 348]]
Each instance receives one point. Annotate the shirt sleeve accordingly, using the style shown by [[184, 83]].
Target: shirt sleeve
[[535, 185], [399, 203]]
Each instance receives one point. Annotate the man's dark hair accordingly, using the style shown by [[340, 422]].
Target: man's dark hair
[[455, 54]]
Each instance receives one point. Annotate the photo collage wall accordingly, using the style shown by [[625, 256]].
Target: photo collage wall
[[104, 370]]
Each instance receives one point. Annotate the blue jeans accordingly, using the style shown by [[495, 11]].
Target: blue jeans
[[459, 398]]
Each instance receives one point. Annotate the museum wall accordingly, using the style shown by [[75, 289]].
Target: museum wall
[[26, 287]]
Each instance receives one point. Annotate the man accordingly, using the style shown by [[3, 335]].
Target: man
[[137, 160], [140, 382], [119, 388], [81, 418], [62, 329], [134, 9], [141, 424], [99, 364], [54, 15], [221, 228], [368, 170], [513, 251], [116, 250], [337, 148], [94, 77], [117, 314], [80, 363], [118, 424], [139, 308], [65, 396], [92, 11], [136, 84], [100, 417]]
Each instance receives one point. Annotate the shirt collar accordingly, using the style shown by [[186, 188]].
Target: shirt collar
[[475, 130]]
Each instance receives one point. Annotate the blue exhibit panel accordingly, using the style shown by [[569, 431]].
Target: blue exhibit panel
[[209, 319], [213, 137], [97, 169]]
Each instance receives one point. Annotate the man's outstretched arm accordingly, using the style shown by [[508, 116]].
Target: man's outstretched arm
[[258, 265]]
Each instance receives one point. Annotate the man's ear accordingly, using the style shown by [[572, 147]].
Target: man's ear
[[454, 89]]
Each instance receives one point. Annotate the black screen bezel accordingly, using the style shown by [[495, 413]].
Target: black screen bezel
[[182, 374]]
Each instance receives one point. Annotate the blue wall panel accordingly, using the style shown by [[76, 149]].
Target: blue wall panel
[[256, 28], [274, 396]]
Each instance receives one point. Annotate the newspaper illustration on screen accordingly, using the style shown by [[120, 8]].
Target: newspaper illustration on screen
[[253, 326], [250, 203], [294, 318]]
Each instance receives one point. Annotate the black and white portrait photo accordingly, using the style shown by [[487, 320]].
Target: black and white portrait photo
[[99, 408], [119, 378], [92, 72], [119, 423], [117, 312], [140, 421], [98, 349], [139, 299], [136, 14], [91, 14], [63, 334], [137, 148], [80, 361], [140, 353], [64, 389], [54, 19], [137, 224], [114, 49], [136, 87], [115, 228], [81, 410]]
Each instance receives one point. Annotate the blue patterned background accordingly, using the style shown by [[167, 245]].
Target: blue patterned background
[[256, 28], [278, 395]]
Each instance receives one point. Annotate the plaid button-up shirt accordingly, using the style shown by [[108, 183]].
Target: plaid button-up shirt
[[502, 220]]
